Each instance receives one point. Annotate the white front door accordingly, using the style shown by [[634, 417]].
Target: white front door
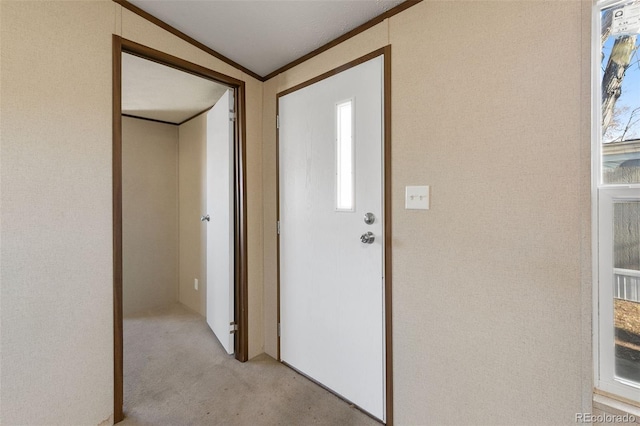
[[220, 228], [331, 282]]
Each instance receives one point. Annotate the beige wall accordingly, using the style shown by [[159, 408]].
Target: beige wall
[[255, 239], [56, 354], [56, 316], [193, 204], [149, 214], [491, 286]]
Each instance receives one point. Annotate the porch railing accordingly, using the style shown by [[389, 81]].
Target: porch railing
[[626, 284]]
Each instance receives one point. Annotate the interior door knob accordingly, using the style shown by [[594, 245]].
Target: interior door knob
[[367, 237], [203, 218]]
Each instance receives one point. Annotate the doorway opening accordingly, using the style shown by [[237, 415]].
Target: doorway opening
[[237, 197]]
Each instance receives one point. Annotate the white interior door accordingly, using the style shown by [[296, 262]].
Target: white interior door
[[220, 229], [332, 283]]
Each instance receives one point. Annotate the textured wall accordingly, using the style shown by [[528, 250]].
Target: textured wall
[[503, 147], [149, 214], [491, 285], [255, 241], [56, 256], [193, 204], [492, 273], [55, 171]]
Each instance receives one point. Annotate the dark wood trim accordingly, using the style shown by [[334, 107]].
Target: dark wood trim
[[241, 249], [183, 36], [116, 165], [388, 241], [150, 119], [354, 32], [333, 72], [386, 53], [169, 122], [278, 221], [121, 45], [154, 55], [197, 114]]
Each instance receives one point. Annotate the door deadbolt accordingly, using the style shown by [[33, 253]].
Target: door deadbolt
[[367, 238], [369, 218]]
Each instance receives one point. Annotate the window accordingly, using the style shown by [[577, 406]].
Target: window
[[616, 197], [344, 156]]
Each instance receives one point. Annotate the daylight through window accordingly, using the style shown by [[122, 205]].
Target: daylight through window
[[617, 198], [344, 156]]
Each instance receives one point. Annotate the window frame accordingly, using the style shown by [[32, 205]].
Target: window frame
[[603, 197]]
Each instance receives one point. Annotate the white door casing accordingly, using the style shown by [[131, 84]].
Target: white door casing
[[220, 228], [332, 284]]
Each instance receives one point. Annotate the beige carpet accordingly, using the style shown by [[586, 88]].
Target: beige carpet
[[176, 373]]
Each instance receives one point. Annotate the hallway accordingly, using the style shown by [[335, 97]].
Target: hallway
[[176, 373]]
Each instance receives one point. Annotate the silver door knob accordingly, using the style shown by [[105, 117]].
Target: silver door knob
[[203, 218], [367, 237], [369, 218]]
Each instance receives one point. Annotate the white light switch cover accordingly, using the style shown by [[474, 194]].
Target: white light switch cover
[[416, 198]]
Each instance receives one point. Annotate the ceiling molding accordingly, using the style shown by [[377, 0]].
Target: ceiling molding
[[378, 19], [354, 32], [160, 92], [195, 115], [151, 54], [183, 36], [137, 117]]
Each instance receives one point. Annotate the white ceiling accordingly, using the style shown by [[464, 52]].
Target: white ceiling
[[158, 92], [264, 35]]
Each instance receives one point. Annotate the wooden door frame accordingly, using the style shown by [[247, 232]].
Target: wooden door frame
[[121, 45], [385, 52]]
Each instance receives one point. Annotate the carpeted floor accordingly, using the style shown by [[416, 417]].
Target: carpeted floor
[[176, 373]]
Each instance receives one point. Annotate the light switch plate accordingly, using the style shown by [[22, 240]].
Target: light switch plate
[[416, 198]]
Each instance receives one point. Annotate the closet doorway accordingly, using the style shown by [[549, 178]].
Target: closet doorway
[[215, 171]]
